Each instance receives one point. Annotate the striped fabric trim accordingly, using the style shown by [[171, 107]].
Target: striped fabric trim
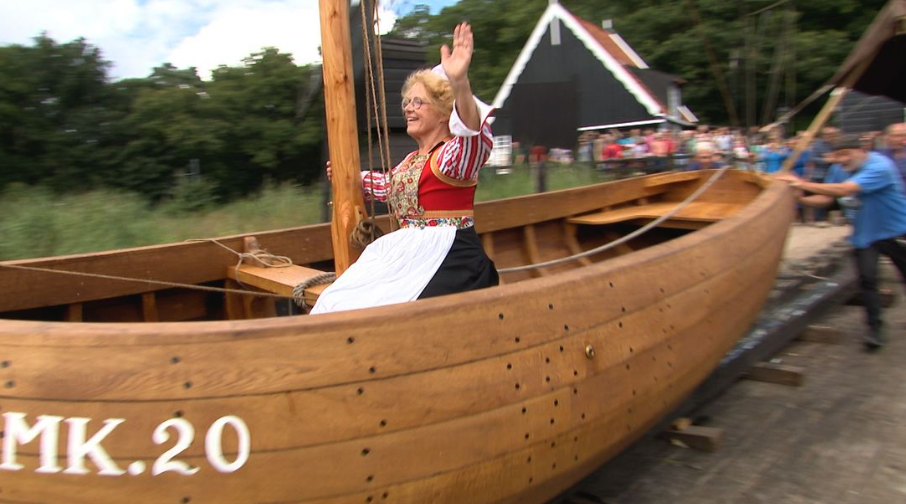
[[435, 169], [374, 186], [462, 157]]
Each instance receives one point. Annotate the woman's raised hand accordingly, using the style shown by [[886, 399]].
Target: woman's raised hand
[[456, 62], [329, 172]]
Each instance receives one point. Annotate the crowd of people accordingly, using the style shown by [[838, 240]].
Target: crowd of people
[[707, 147]]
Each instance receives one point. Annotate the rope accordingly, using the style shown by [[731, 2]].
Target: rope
[[369, 83], [299, 290], [638, 232], [375, 105], [262, 256], [797, 269], [267, 259], [203, 288], [365, 232]]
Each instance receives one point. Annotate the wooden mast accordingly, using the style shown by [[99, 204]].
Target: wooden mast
[[342, 133], [821, 119]]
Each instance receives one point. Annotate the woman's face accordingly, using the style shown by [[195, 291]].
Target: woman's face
[[422, 116]]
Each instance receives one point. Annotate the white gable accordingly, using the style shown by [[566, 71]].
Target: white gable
[[556, 11]]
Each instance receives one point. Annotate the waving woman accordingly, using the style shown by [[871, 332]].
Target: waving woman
[[431, 192]]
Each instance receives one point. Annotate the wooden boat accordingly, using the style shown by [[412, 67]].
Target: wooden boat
[[116, 390], [508, 394]]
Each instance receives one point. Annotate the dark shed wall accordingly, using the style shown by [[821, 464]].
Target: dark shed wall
[[600, 97], [401, 57], [861, 113]]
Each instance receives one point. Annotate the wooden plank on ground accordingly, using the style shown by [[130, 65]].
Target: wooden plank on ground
[[697, 437], [781, 374], [821, 334]]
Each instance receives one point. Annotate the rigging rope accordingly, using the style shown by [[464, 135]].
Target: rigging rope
[[162, 283], [377, 107], [267, 259], [638, 232]]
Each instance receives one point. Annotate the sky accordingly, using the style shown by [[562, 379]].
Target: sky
[[138, 35]]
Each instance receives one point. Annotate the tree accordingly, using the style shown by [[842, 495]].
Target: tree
[[50, 97], [669, 38]]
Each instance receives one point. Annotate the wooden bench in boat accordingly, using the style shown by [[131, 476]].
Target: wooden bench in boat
[[277, 280], [695, 215]]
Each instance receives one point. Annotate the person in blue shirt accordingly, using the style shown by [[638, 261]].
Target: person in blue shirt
[[896, 146], [773, 156], [869, 188]]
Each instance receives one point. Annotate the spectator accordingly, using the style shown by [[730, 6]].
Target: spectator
[[870, 190], [518, 154], [723, 140], [803, 166], [773, 156], [822, 153], [896, 146], [599, 147], [586, 147], [612, 149], [821, 148], [706, 158]]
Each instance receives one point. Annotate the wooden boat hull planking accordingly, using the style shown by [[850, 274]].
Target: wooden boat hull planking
[[504, 395]]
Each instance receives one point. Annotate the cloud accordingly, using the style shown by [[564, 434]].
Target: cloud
[[138, 35], [237, 30]]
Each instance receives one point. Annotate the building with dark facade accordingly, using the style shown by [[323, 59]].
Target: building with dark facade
[[574, 76]]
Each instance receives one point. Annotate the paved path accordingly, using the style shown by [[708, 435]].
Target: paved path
[[840, 438], [803, 241]]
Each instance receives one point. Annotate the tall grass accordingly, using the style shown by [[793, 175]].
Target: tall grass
[[34, 222]]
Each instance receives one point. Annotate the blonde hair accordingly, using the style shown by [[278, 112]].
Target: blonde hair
[[439, 90]]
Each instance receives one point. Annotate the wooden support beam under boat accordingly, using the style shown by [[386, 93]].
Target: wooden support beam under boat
[[781, 374], [342, 133], [821, 334], [697, 437]]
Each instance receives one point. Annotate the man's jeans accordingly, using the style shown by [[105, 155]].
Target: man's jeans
[[867, 264]]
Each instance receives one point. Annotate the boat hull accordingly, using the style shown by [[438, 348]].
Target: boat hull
[[509, 394]]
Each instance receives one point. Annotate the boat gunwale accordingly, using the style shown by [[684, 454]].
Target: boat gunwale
[[198, 331]]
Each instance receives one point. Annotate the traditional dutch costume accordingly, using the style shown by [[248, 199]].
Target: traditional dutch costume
[[436, 251]]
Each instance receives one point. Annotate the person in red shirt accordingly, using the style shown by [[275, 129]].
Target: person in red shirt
[[612, 150]]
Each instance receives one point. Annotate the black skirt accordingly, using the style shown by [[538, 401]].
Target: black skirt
[[465, 268]]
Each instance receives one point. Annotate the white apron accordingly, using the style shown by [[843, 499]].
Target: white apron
[[396, 268]]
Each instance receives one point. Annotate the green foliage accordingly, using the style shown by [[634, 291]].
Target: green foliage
[[36, 222], [665, 33], [62, 124], [66, 127]]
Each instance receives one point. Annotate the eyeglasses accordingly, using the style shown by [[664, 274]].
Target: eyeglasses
[[416, 102]]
